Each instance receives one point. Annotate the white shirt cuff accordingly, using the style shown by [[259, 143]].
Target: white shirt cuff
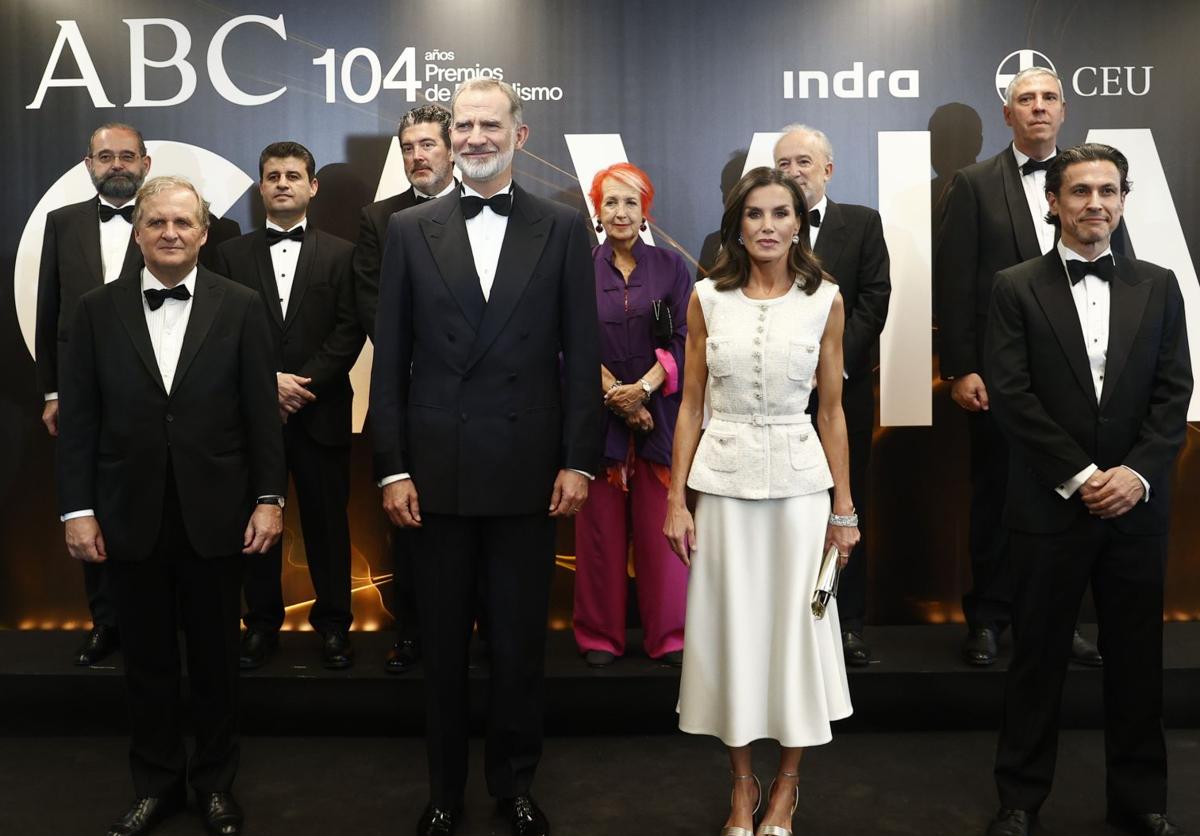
[[74, 515], [1067, 489], [1142, 479], [589, 476], [51, 396], [395, 477]]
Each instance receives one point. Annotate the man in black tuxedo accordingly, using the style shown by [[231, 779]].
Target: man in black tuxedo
[[84, 246], [305, 280], [848, 240], [424, 135], [484, 419], [1090, 379], [994, 218], [170, 469]]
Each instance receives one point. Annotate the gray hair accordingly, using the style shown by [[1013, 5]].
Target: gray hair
[[515, 107], [822, 140], [158, 185], [1030, 73], [432, 114]]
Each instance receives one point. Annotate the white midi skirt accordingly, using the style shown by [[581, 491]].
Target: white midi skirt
[[756, 663]]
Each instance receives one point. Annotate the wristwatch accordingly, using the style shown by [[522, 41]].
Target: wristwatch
[[646, 388], [278, 501]]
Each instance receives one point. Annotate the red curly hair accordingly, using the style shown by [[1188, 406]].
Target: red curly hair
[[627, 174]]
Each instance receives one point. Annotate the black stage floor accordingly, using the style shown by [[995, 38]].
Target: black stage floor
[[918, 684]]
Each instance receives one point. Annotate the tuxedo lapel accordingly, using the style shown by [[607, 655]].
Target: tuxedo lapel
[[88, 230], [205, 304], [831, 238], [446, 234], [524, 239], [127, 298], [304, 267], [1128, 297], [1053, 291], [1018, 207], [266, 276]]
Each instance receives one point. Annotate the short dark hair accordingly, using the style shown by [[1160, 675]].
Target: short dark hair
[[287, 148], [732, 269], [117, 126], [431, 113], [1087, 152]]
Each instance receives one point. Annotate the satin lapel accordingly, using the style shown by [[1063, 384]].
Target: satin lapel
[[304, 265], [266, 276], [524, 240], [89, 240], [127, 298], [205, 305], [446, 234], [831, 238], [1018, 207], [1127, 302], [1053, 291]]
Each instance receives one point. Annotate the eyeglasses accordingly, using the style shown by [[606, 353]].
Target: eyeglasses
[[107, 157]]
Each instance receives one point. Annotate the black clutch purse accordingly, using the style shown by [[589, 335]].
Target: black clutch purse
[[663, 326]]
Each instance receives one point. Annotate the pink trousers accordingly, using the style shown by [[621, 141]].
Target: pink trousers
[[602, 533]]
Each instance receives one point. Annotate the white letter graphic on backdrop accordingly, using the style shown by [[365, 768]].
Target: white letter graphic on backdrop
[[69, 35], [138, 62], [905, 347], [590, 153], [216, 63], [1154, 226]]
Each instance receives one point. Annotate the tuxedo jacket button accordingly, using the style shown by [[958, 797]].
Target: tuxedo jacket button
[[464, 417], [512, 416], [170, 417], [451, 337]]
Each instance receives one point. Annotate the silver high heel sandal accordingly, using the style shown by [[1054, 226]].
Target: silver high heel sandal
[[774, 829], [741, 831]]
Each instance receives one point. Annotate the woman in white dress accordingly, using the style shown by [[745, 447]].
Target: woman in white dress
[[763, 329]]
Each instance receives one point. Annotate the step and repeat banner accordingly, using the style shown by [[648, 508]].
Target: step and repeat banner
[[692, 91]]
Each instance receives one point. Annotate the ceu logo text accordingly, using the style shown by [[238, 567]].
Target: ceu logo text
[[854, 83], [1086, 81]]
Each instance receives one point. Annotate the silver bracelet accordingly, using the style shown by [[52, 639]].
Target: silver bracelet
[[844, 520]]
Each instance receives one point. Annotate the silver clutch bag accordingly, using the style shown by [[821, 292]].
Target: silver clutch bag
[[827, 582]]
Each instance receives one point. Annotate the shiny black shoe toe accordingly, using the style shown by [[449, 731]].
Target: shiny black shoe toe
[[145, 814], [672, 658], [101, 641], [599, 658], [221, 814], [524, 816], [1011, 823], [402, 657], [855, 649], [257, 648], [336, 651], [980, 648], [1145, 824], [1083, 652], [436, 822]]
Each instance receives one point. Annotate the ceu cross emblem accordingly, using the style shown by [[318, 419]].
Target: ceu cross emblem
[[1014, 62]]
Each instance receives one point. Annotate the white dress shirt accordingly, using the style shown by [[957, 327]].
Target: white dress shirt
[[285, 255], [114, 241], [1091, 297], [814, 231], [166, 326], [1034, 184], [486, 233], [451, 186]]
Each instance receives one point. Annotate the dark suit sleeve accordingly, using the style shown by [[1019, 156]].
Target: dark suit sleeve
[[392, 363], [864, 322], [367, 258], [220, 261], [580, 339], [1050, 450], [337, 354], [1165, 426], [956, 267], [220, 230], [49, 299], [260, 406], [79, 416]]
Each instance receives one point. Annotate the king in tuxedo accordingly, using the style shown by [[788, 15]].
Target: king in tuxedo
[[305, 280], [848, 240], [86, 245], [169, 433], [424, 135], [1089, 378], [485, 431]]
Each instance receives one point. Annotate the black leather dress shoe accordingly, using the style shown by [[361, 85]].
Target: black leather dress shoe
[[856, 651], [436, 822], [336, 652], [1085, 653], [258, 646], [599, 658], [100, 642], [1011, 823], [1145, 824], [402, 656], [673, 658], [145, 814], [980, 647], [221, 814], [524, 816]]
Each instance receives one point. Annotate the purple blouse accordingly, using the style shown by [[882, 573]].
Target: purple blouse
[[627, 344]]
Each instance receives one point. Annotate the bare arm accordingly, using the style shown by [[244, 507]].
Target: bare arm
[[679, 526], [831, 422]]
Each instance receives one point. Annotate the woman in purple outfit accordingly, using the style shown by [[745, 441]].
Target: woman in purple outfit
[[642, 294]]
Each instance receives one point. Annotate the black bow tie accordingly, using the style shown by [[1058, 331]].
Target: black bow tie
[[501, 204], [814, 217], [1030, 166], [107, 213], [155, 298], [274, 236], [420, 198], [1103, 268]]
